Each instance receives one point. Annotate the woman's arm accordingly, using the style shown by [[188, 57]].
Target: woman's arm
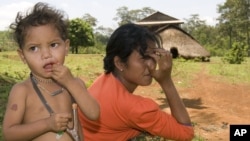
[[162, 75], [176, 105]]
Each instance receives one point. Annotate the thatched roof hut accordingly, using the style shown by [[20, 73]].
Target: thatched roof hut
[[175, 39], [180, 43]]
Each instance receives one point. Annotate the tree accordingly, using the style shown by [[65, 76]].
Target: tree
[[90, 19], [80, 34], [193, 24], [124, 15], [7, 42], [234, 21], [102, 34]]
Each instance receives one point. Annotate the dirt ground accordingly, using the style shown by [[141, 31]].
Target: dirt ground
[[212, 104]]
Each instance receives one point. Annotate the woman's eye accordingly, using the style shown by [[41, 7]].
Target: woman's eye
[[146, 57]]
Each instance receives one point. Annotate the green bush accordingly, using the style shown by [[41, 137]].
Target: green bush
[[236, 54]]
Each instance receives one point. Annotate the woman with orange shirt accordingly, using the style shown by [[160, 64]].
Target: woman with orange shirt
[[134, 57]]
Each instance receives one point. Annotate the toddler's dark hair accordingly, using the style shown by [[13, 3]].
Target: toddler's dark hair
[[41, 14]]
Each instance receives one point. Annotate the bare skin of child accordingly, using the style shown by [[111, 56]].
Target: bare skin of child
[[26, 118]]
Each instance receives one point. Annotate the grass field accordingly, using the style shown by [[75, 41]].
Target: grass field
[[88, 67]]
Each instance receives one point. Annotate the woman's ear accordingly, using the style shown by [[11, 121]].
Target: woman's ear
[[21, 55], [118, 63]]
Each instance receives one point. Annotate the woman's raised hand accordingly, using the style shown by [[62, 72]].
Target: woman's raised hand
[[163, 60]]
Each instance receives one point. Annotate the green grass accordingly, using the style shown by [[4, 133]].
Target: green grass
[[233, 73], [85, 66], [89, 66], [183, 72]]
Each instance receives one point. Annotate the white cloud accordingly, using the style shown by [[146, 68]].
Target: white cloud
[[8, 13], [64, 5], [105, 11], [209, 20]]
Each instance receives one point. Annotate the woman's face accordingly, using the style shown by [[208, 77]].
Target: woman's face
[[136, 71]]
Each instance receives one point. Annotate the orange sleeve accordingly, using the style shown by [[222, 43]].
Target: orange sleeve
[[147, 116]]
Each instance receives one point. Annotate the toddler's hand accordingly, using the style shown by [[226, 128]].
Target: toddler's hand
[[59, 122], [61, 74]]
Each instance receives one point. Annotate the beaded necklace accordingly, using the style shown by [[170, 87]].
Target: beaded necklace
[[49, 92], [47, 81]]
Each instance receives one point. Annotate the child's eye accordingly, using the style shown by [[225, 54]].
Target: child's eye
[[33, 48], [54, 44]]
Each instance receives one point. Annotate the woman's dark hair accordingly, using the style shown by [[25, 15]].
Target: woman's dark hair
[[41, 14], [124, 40]]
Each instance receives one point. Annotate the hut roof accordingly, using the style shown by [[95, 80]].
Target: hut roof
[[173, 36], [159, 18], [188, 47]]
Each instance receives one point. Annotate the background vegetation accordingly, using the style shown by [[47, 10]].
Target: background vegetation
[[229, 38], [89, 66]]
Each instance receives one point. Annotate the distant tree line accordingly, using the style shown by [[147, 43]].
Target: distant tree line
[[229, 38]]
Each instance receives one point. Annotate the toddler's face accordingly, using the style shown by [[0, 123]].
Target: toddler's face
[[42, 48]]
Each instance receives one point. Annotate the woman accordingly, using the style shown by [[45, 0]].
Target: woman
[[134, 57]]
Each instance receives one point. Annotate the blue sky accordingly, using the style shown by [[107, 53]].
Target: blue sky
[[104, 10]]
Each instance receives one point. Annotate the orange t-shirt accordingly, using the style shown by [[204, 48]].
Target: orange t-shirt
[[124, 115]]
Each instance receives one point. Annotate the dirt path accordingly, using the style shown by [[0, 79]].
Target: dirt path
[[221, 104], [213, 104]]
